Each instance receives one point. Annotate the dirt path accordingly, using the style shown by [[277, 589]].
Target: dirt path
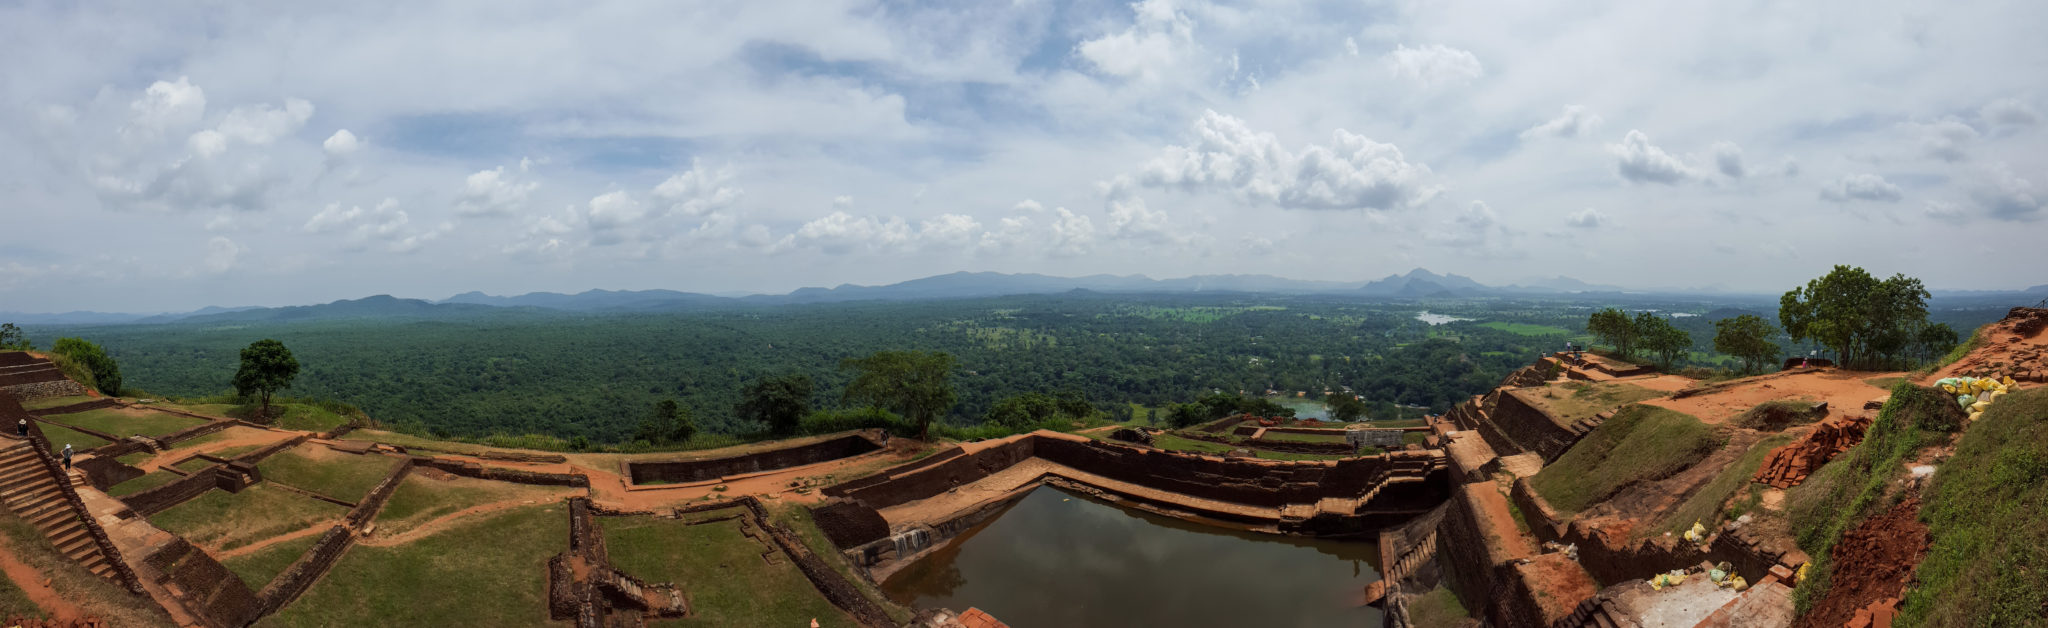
[[1844, 391], [258, 546], [444, 521], [37, 588]]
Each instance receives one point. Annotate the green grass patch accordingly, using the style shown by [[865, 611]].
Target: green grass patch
[[1989, 554], [15, 603], [1170, 442], [1302, 438], [335, 474], [799, 519], [421, 498], [290, 416], [1415, 438], [231, 452], [1859, 483], [728, 583], [147, 481], [124, 422], [1641, 443], [1705, 505], [79, 441], [193, 465], [491, 571], [1568, 403], [258, 568], [1439, 608], [1526, 329], [52, 402], [134, 458], [93, 594], [231, 520]]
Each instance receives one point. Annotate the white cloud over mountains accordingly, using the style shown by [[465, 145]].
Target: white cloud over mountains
[[701, 146]]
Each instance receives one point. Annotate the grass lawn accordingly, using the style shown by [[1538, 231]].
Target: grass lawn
[[291, 416], [799, 519], [1439, 608], [194, 465], [1707, 505], [148, 481], [1567, 403], [52, 402], [421, 498], [1984, 512], [134, 458], [1641, 443], [79, 441], [231, 520], [233, 432], [1170, 442], [722, 572], [1526, 329], [1303, 438], [321, 470], [259, 567], [231, 452], [124, 422], [490, 571]]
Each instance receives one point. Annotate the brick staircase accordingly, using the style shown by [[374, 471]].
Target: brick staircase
[[30, 491]]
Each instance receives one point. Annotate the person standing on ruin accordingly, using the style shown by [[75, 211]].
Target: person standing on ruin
[[67, 456], [22, 428]]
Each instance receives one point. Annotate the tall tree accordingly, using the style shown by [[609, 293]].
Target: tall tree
[[106, 375], [1614, 327], [780, 401], [1747, 337], [668, 423], [1659, 336], [267, 367], [1934, 341], [11, 339], [911, 383], [1855, 315]]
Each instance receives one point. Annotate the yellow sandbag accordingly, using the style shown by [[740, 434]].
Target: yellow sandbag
[[2008, 381], [1800, 576], [1974, 415], [1948, 388], [1738, 583], [1978, 408]]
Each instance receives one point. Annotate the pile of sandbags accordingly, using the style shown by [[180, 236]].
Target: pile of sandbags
[[1975, 394], [1789, 465]]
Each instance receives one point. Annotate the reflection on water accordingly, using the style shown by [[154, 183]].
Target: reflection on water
[[1059, 559], [1306, 409]]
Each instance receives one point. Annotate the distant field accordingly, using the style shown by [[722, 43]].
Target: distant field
[[1526, 329], [491, 571]]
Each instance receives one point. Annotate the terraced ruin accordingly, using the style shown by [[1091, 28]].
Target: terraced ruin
[[1580, 492]]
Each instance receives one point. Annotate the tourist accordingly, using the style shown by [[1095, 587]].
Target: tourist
[[67, 456], [22, 428]]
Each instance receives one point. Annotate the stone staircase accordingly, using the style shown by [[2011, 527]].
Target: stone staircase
[[32, 493]]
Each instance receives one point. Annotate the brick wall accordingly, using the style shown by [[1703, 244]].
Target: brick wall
[[1530, 427], [301, 575], [712, 469], [516, 476]]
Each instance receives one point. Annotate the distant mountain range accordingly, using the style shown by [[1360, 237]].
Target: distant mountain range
[[1416, 284]]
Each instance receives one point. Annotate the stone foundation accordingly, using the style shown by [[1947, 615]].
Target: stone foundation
[[685, 471]]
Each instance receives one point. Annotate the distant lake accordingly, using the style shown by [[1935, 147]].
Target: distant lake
[[1306, 408], [1437, 319]]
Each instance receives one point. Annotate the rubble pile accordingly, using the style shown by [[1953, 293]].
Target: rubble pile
[[1789, 465]]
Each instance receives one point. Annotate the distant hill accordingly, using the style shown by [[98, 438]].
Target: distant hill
[[1422, 283], [593, 300], [380, 306]]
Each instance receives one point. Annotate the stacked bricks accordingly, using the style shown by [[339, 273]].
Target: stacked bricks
[[1789, 465]]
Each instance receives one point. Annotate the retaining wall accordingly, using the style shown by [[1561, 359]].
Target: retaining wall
[[835, 587], [516, 476], [849, 523], [680, 471], [195, 431], [179, 491], [204, 586], [1531, 428], [301, 575], [104, 472], [82, 406], [1613, 559], [367, 509]]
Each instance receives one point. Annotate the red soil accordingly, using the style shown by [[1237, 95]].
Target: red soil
[[2015, 346], [37, 588], [1844, 391], [1871, 563]]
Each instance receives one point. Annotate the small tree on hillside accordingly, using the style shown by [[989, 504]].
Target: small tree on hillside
[[11, 339], [780, 401], [267, 367], [1182, 415], [106, 375], [912, 383], [1659, 336], [1613, 327], [1747, 337]]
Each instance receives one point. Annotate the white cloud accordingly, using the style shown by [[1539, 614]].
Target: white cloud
[[207, 143], [492, 192], [1865, 187], [1728, 159], [699, 190], [164, 106], [1130, 219], [2005, 195], [609, 214], [1072, 234], [2009, 112], [952, 231], [1587, 218], [1947, 139], [1155, 40], [383, 222], [1350, 46], [1434, 64], [1640, 162], [1477, 229], [840, 233], [1575, 121], [1944, 211], [1352, 172], [263, 124], [341, 143], [221, 254]]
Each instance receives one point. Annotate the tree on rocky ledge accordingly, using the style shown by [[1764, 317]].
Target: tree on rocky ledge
[[267, 367], [911, 383]]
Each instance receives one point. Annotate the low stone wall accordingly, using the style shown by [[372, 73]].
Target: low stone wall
[[366, 509], [835, 587], [515, 456], [104, 471], [179, 491], [516, 476], [886, 475], [195, 431], [121, 447], [931, 479], [266, 452], [1530, 427], [680, 471], [301, 575]]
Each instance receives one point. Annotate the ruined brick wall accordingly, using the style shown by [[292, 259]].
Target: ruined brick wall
[[844, 488], [1613, 559], [204, 586], [848, 523], [586, 538], [1469, 552], [301, 575], [712, 469], [932, 479], [104, 472], [162, 498], [195, 431], [1251, 482], [1530, 427], [77, 407], [835, 587], [516, 476], [367, 508]]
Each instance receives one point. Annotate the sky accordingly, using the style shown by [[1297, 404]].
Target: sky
[[162, 156]]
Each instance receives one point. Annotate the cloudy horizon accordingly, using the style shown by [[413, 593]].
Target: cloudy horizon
[[165, 156]]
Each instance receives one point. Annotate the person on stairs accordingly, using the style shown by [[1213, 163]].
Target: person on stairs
[[22, 428], [67, 456]]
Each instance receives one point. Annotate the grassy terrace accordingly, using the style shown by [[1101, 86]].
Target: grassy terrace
[[799, 519], [230, 520], [421, 498], [95, 595], [125, 422], [79, 441], [1303, 438], [291, 416], [721, 570], [237, 432], [1984, 512], [193, 465], [52, 402], [258, 568], [1569, 402], [146, 482], [488, 571], [1641, 443], [321, 470], [1710, 505]]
